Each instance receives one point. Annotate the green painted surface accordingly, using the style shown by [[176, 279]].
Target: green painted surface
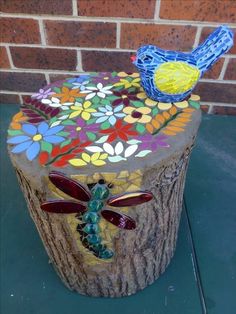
[[30, 285], [210, 195]]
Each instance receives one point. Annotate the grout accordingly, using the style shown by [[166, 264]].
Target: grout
[[210, 110], [114, 20], [74, 8], [223, 70], [197, 37], [47, 78], [157, 10], [42, 33], [79, 66], [21, 99], [220, 104], [118, 35], [9, 57]]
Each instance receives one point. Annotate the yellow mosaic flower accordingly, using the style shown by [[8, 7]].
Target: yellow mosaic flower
[[83, 110], [140, 114], [148, 101], [124, 74], [97, 159], [127, 84]]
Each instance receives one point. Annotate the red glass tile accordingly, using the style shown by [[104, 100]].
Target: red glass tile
[[130, 199], [63, 207], [119, 220]]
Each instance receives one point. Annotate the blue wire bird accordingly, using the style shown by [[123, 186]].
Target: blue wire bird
[[170, 76]]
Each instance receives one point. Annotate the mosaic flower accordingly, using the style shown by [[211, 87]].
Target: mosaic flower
[[101, 91], [56, 103], [127, 84], [140, 114], [124, 74], [148, 141], [43, 93], [83, 110], [119, 131], [68, 94], [30, 141], [81, 128], [97, 159], [107, 113], [124, 97], [119, 152], [17, 120], [105, 77], [78, 79], [149, 102]]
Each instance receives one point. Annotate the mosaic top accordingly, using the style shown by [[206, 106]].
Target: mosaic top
[[96, 119]]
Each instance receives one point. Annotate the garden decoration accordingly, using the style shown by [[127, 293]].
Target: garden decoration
[[102, 166]]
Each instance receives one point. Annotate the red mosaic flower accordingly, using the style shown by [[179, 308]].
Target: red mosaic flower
[[124, 97], [119, 131]]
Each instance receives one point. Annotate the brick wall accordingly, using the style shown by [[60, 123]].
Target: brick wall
[[45, 40]]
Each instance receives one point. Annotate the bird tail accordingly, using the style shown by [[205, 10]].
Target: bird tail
[[218, 43]]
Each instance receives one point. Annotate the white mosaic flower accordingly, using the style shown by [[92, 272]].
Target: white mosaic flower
[[55, 103], [101, 91]]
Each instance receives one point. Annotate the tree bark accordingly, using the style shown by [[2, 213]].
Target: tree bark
[[141, 255]]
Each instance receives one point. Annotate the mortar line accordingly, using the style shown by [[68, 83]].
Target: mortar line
[[9, 57], [79, 66], [42, 33], [118, 27], [47, 78], [74, 8], [197, 37], [157, 10], [223, 70], [114, 20]]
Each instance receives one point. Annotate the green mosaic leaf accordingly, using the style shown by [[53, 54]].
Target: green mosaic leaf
[[56, 89], [67, 84], [105, 101], [140, 128], [194, 104], [96, 100], [91, 121], [68, 122], [47, 147], [155, 111], [65, 143], [14, 132], [105, 125], [62, 133], [91, 136], [137, 103]]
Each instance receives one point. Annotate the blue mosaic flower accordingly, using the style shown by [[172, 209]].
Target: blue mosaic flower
[[79, 79], [108, 113], [34, 135]]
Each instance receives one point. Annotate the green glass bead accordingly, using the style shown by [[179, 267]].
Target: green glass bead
[[93, 238], [106, 254], [100, 191], [91, 228], [95, 205], [90, 217]]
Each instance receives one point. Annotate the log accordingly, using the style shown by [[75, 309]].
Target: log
[[141, 251]]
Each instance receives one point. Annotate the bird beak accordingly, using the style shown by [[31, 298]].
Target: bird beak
[[133, 58]]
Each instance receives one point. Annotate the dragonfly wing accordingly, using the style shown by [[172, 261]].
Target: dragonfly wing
[[119, 220], [63, 207], [130, 199], [69, 186]]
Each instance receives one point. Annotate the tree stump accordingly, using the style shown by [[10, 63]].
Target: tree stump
[[102, 168]]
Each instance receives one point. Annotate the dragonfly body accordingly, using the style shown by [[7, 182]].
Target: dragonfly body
[[89, 207]]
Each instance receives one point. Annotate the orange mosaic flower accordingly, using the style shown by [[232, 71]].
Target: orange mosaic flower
[[68, 94], [17, 119]]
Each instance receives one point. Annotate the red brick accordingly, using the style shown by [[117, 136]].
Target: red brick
[[206, 31], [63, 7], [9, 99], [230, 73], [81, 34], [165, 36], [44, 58], [205, 108], [21, 82], [4, 62], [107, 61], [231, 111], [199, 10], [119, 8], [214, 72], [216, 92], [59, 77], [19, 31]]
